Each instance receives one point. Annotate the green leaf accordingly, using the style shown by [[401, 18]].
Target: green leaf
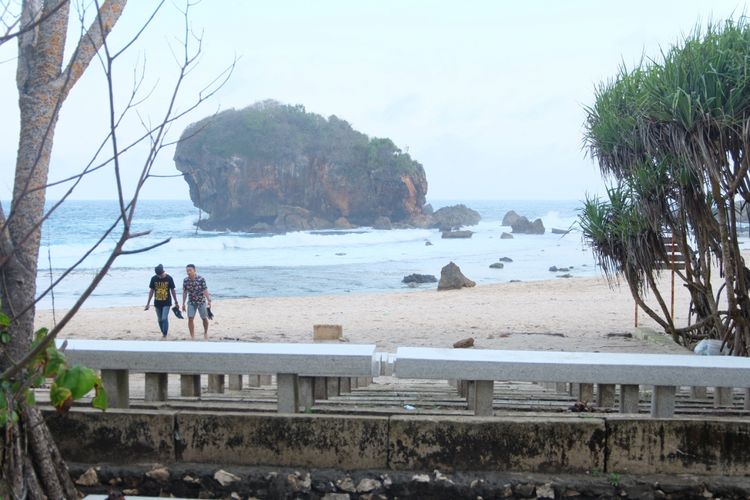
[[4, 337], [79, 379], [100, 400], [55, 362], [39, 335], [30, 398], [59, 396], [4, 320], [37, 381]]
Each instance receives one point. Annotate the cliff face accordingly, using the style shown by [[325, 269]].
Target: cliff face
[[277, 168]]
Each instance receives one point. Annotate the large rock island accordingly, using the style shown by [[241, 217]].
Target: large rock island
[[272, 168]]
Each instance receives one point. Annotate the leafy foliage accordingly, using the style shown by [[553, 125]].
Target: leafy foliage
[[68, 383], [673, 137], [270, 133]]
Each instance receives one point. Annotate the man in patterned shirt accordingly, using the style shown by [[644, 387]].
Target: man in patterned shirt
[[195, 288]]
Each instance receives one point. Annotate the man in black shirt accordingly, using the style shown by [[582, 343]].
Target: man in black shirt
[[159, 288]]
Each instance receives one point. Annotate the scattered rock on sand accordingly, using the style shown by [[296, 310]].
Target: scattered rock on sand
[[451, 278], [464, 343]]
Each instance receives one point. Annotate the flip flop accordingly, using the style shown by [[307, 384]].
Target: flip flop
[[177, 312], [210, 314]]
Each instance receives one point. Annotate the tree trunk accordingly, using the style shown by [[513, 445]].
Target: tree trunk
[[31, 465]]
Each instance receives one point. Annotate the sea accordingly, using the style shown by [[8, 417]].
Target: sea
[[304, 263]]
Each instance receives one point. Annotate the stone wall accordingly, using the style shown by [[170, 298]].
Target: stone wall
[[546, 444]]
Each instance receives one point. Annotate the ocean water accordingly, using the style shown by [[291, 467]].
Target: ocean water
[[299, 263]]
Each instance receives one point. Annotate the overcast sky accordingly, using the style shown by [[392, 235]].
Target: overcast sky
[[488, 95]]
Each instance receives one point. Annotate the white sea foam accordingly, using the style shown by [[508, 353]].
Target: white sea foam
[[307, 262]]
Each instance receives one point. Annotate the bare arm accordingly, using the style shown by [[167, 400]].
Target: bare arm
[[148, 302]]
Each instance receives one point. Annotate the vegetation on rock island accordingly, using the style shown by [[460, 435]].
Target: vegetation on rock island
[[272, 133], [276, 167], [672, 138]]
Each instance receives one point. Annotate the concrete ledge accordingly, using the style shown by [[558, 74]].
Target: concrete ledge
[[294, 440], [599, 443], [534, 444], [116, 436], [671, 446]]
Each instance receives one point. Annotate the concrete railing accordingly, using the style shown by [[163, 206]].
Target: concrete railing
[[665, 372], [309, 372], [297, 366]]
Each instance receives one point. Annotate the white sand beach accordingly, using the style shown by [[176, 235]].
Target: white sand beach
[[577, 314]]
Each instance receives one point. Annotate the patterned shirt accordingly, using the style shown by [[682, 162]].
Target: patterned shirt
[[195, 288]]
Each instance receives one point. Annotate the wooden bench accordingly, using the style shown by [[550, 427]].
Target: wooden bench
[[295, 365], [665, 372]]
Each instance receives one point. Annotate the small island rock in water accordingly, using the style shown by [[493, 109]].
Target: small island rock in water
[[275, 168]]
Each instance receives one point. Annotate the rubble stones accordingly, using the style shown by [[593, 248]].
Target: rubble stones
[[264, 482]]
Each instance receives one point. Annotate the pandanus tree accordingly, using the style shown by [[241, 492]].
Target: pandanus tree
[[671, 138]]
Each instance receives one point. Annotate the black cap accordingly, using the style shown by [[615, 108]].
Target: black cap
[[159, 269]]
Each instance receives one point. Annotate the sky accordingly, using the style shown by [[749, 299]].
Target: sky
[[489, 96]]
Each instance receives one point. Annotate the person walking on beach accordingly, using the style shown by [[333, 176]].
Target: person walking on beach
[[194, 287], [159, 288]]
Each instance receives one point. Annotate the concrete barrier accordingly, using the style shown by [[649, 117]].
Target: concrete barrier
[[549, 444], [529, 444]]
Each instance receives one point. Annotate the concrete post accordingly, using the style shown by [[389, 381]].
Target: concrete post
[[747, 400], [287, 392], [483, 393], [235, 382], [253, 380], [332, 386], [320, 389], [722, 397], [463, 388], [471, 394], [117, 385], [345, 385], [698, 392], [605, 395], [629, 398], [586, 393], [662, 401], [156, 387], [216, 383], [574, 390], [561, 386], [306, 399], [190, 385]]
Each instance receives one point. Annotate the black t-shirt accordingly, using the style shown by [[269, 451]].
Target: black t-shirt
[[161, 287]]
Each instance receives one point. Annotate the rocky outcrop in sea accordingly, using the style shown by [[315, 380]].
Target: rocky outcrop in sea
[[273, 167], [521, 224], [276, 168]]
